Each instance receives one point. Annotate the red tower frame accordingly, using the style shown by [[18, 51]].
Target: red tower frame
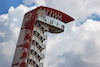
[[27, 28]]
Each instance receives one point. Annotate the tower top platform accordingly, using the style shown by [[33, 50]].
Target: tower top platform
[[54, 13], [50, 17]]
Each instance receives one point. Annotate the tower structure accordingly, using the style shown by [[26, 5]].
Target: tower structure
[[31, 42]]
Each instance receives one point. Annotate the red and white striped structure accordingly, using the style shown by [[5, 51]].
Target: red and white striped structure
[[31, 42]]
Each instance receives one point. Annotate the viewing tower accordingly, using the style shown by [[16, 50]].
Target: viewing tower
[[31, 43]]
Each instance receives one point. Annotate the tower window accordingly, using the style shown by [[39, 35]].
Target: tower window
[[62, 26]]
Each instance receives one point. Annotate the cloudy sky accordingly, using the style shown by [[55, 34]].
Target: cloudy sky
[[77, 46]]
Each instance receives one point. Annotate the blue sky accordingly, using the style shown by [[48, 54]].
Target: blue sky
[[6, 4], [93, 16]]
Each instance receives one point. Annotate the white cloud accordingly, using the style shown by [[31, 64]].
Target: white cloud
[[40, 2], [2, 34], [3, 17], [37, 2], [7, 48], [28, 2]]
